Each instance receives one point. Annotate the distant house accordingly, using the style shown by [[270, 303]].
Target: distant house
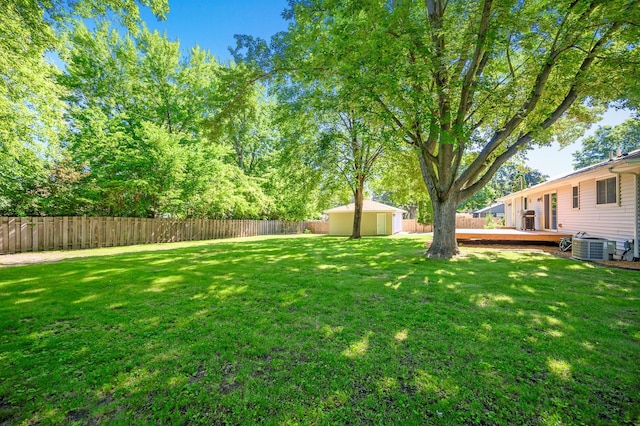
[[494, 210], [601, 200], [377, 219]]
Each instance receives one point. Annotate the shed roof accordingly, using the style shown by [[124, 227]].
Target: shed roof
[[367, 206]]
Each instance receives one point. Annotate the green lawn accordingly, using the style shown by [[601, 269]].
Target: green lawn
[[319, 330]]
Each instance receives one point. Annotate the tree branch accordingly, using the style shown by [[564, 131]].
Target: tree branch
[[413, 137], [478, 62], [571, 96]]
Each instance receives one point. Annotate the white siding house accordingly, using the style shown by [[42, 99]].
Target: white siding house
[[601, 200]]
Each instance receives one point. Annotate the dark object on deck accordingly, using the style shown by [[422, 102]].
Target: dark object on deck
[[529, 220]]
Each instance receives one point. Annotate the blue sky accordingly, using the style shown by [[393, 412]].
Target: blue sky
[[212, 24], [554, 161]]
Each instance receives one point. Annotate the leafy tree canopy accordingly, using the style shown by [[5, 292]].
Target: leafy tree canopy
[[624, 137], [140, 113], [31, 110]]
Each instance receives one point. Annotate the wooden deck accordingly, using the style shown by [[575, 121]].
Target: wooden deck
[[509, 236]]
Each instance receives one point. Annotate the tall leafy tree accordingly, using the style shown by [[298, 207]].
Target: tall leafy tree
[[154, 132], [135, 111], [300, 183], [624, 137], [121, 134], [352, 145], [31, 112], [265, 139], [30, 109], [514, 176], [350, 140], [250, 133], [468, 83]]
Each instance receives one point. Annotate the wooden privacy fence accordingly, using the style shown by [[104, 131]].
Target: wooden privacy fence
[[412, 225], [318, 227], [26, 234], [474, 222], [470, 222], [408, 225]]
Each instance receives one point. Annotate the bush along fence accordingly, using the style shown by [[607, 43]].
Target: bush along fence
[[28, 234]]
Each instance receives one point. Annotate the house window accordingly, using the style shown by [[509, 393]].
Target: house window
[[606, 191], [576, 197]]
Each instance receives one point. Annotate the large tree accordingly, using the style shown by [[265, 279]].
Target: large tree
[[349, 140], [301, 181], [29, 105], [31, 111], [351, 145], [624, 137], [139, 110], [468, 83]]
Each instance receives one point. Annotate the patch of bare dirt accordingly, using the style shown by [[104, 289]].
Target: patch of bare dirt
[[30, 258]]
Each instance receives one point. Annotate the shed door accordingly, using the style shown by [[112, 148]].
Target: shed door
[[397, 223], [382, 224]]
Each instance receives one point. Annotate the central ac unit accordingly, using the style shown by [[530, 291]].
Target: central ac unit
[[590, 248]]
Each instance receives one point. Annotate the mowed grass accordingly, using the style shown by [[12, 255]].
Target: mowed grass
[[319, 330]]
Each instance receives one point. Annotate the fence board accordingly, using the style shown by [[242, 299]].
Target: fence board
[[4, 231], [143, 231], [35, 235], [11, 234], [73, 244], [44, 233], [20, 234], [24, 245]]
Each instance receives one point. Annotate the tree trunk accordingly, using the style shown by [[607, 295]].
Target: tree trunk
[[412, 210], [444, 245], [357, 213]]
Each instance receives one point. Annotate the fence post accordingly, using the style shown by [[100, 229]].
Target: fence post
[[3, 234], [12, 234], [134, 231], [23, 235], [35, 226]]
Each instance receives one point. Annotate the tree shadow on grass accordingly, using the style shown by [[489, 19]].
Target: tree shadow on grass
[[319, 330]]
